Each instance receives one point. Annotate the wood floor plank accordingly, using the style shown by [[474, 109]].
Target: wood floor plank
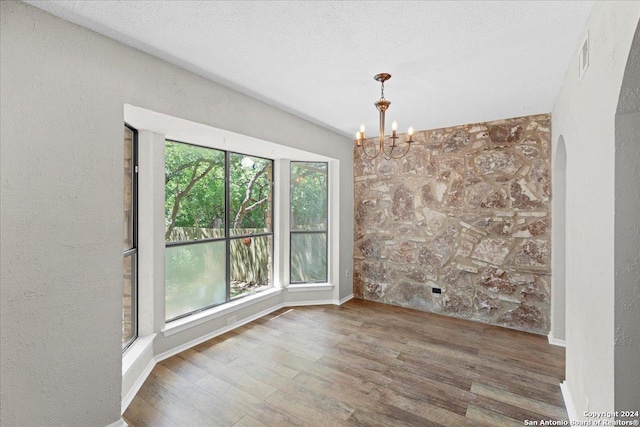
[[315, 416], [490, 418], [419, 406], [358, 370], [184, 414], [532, 363], [342, 392], [262, 373], [143, 414], [152, 391], [249, 421], [506, 409], [338, 377], [441, 394], [227, 373], [457, 376], [445, 354], [256, 408], [520, 401], [387, 415], [519, 384], [359, 364], [184, 368], [271, 364], [214, 407]]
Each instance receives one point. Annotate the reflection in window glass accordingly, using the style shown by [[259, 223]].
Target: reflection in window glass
[[195, 277], [308, 222]]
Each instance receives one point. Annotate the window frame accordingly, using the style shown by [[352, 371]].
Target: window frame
[[133, 251], [227, 238], [325, 231]]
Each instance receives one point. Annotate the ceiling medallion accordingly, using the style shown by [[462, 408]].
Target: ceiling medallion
[[391, 150]]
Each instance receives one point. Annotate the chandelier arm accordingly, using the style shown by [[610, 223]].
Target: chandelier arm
[[364, 151], [389, 156]]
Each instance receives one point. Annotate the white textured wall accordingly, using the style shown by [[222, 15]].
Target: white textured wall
[[62, 94], [584, 115]]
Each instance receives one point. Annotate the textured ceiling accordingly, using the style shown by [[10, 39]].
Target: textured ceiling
[[453, 62]]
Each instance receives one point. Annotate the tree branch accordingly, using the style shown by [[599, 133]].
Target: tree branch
[[180, 168], [244, 209], [183, 193]]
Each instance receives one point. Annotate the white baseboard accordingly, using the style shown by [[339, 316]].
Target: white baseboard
[[556, 341], [317, 302], [345, 299], [126, 401], [119, 423], [568, 402]]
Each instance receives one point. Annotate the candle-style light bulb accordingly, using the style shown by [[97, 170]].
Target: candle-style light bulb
[[362, 128], [394, 125], [410, 133], [358, 135]]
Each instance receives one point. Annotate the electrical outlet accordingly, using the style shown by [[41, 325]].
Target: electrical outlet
[[231, 320]]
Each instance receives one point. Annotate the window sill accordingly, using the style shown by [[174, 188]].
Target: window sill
[[135, 350], [309, 287], [213, 313]]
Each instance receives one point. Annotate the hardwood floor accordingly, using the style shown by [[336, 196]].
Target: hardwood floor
[[363, 364]]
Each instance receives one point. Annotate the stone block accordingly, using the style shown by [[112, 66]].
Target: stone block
[[526, 317], [533, 253], [458, 141], [496, 280], [493, 251], [498, 162], [505, 135]]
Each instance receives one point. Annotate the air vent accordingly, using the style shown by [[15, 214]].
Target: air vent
[[583, 57]]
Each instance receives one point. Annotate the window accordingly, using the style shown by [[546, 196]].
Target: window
[[308, 222], [219, 235], [130, 264]]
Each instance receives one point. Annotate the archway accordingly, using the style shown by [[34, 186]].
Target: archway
[[627, 235], [558, 231]]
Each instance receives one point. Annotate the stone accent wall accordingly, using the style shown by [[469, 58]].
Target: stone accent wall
[[467, 210]]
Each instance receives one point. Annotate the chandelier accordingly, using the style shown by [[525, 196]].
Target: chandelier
[[391, 150]]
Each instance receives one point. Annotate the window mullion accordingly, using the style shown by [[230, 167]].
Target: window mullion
[[227, 222]]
